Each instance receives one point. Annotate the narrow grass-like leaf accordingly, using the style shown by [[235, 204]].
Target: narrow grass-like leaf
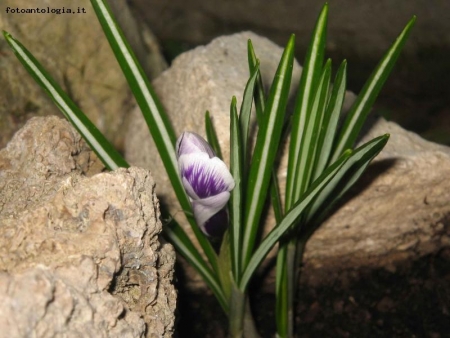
[[266, 147], [246, 110], [281, 293], [311, 134], [184, 245], [310, 77], [98, 143], [260, 104], [330, 122], [364, 102], [225, 273], [211, 135], [286, 289], [275, 198], [345, 178], [260, 97], [236, 198], [157, 121], [290, 219]]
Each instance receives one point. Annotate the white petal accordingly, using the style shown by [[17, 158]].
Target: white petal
[[205, 208], [189, 143]]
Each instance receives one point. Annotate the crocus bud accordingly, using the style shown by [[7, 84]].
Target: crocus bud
[[207, 182]]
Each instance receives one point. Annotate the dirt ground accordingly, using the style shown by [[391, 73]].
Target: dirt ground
[[412, 301]]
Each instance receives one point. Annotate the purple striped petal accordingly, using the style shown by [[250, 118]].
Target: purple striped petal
[[203, 176]]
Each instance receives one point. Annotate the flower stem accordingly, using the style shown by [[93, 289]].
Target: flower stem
[[236, 315], [240, 316], [249, 323]]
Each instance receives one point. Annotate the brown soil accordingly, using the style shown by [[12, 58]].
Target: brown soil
[[412, 301]]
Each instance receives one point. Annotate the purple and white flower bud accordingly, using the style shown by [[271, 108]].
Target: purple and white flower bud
[[207, 182]]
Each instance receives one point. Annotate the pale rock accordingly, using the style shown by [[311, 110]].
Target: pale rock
[[80, 256]]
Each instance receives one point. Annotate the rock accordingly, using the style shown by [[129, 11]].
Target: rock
[[80, 256], [75, 51], [398, 211]]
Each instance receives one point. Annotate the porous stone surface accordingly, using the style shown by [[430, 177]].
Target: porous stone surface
[[398, 211], [79, 256], [76, 53]]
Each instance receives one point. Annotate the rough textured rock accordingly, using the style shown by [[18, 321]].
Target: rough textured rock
[[79, 256], [73, 48], [402, 208]]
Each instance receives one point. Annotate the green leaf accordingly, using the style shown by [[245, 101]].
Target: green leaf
[[275, 197], [311, 134], [260, 104], [290, 219], [345, 178], [364, 102], [330, 122], [98, 143], [211, 135], [260, 97], [266, 147], [281, 292], [157, 120], [236, 198], [246, 110], [184, 246], [225, 266], [310, 77]]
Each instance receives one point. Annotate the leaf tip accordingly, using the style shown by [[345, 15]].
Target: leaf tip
[[6, 35], [291, 41], [410, 23]]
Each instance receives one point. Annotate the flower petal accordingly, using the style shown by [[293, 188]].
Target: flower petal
[[205, 208], [189, 190], [189, 143], [206, 176]]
